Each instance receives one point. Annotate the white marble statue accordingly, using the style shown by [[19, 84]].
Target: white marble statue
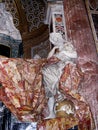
[[7, 25], [64, 51], [65, 48]]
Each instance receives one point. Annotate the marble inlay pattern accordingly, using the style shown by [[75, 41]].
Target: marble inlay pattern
[[35, 12]]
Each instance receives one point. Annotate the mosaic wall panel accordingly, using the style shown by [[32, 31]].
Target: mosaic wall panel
[[59, 24], [58, 19], [35, 12]]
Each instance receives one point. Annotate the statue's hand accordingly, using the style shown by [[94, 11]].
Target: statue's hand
[[52, 52], [55, 47]]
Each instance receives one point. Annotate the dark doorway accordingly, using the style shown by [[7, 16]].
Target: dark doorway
[[5, 50]]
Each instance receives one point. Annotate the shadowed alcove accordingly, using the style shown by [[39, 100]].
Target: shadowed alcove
[[5, 50]]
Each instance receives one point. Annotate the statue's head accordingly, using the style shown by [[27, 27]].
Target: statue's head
[[56, 39]]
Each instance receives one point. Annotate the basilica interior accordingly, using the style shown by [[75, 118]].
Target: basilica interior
[[29, 18], [29, 35]]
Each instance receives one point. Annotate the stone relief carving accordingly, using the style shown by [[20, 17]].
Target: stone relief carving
[[7, 25]]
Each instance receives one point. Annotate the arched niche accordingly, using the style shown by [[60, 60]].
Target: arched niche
[[5, 50]]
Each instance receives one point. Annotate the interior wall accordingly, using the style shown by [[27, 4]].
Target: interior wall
[[80, 33], [79, 30]]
